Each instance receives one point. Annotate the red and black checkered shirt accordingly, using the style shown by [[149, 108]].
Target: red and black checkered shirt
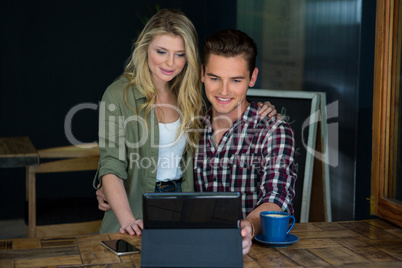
[[254, 157]]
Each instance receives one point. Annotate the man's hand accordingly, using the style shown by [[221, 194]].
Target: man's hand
[[246, 233], [102, 202]]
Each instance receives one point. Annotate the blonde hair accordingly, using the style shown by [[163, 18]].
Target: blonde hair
[[186, 86]]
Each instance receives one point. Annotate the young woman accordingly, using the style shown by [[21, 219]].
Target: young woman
[[150, 121]]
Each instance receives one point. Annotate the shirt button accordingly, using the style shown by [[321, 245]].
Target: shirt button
[[215, 179]]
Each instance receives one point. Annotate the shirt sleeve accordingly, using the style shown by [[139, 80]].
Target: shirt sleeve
[[278, 176], [113, 158]]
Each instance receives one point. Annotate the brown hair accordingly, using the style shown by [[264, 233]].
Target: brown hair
[[231, 43]]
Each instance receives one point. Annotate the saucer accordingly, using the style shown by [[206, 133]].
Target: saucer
[[290, 239]]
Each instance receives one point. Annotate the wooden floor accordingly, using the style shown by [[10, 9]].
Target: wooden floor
[[369, 243]]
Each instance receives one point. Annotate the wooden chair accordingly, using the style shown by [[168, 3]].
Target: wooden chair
[[63, 159]]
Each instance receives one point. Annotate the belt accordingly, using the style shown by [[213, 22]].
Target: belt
[[163, 184]]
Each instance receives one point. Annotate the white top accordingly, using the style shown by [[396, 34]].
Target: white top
[[170, 152]]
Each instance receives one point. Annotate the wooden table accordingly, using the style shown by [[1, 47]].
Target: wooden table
[[17, 152], [369, 243]]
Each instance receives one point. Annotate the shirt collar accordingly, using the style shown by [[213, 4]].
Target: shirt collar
[[138, 94], [251, 115]]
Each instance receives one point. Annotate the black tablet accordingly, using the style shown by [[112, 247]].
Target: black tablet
[[191, 210]]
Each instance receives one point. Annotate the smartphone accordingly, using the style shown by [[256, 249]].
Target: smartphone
[[120, 247]]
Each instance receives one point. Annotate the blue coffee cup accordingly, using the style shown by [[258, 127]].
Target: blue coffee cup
[[276, 225]]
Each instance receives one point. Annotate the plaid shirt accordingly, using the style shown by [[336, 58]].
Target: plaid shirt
[[254, 157]]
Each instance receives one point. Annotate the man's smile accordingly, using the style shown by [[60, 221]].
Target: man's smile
[[222, 100]]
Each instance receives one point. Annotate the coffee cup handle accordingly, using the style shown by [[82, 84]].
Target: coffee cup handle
[[292, 224]]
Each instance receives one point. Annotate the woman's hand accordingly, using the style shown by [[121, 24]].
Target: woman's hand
[[133, 228], [267, 109], [116, 196]]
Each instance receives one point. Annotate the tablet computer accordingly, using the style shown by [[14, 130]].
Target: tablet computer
[[191, 210]]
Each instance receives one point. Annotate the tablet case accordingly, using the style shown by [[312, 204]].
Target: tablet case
[[191, 230], [191, 248]]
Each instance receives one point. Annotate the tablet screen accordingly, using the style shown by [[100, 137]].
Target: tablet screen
[[191, 210]]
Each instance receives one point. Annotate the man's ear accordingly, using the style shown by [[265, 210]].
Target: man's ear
[[253, 77], [202, 73]]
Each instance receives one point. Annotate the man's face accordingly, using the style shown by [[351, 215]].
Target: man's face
[[226, 81]]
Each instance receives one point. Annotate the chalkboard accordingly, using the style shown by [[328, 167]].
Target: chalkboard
[[302, 111]]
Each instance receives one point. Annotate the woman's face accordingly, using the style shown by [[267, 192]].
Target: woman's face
[[166, 58]]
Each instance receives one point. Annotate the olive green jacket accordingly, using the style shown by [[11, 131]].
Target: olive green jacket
[[129, 148]]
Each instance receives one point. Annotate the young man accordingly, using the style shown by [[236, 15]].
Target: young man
[[241, 151]]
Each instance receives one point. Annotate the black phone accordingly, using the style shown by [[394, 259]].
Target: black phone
[[120, 247]]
